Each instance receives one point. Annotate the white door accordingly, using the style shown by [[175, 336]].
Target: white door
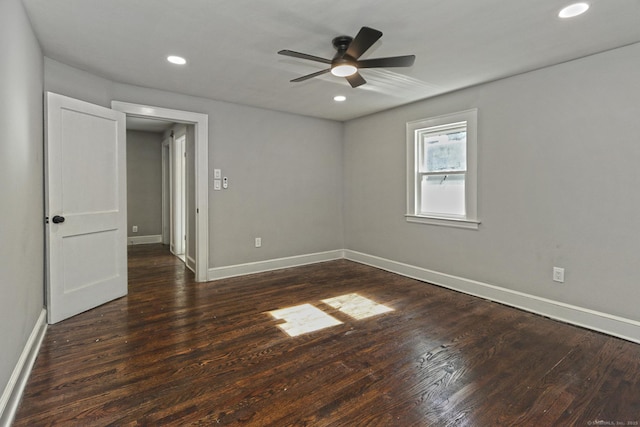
[[178, 199], [85, 202], [166, 186]]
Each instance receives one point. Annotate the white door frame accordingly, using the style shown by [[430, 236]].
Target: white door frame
[[166, 198], [178, 192], [201, 124]]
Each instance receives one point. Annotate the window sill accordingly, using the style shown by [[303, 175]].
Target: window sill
[[446, 222]]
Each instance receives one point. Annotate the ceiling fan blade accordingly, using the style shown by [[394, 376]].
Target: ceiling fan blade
[[309, 76], [355, 80], [286, 52], [394, 61], [364, 40]]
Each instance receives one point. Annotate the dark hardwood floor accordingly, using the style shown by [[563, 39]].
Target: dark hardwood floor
[[176, 352]]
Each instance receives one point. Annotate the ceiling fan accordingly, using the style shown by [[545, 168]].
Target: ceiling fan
[[345, 63]]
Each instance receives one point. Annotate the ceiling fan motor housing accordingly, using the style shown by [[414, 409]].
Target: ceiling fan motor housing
[[341, 43]]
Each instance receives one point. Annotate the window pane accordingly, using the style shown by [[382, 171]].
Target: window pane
[[442, 194], [444, 152]]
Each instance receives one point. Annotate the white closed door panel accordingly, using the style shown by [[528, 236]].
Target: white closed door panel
[[85, 174]]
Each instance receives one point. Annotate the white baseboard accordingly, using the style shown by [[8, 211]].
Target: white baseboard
[[272, 264], [15, 387], [602, 322], [610, 324], [144, 240]]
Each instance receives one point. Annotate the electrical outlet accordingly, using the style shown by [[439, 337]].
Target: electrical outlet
[[558, 274], [134, 229], [258, 242]]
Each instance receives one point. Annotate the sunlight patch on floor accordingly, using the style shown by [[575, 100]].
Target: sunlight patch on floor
[[302, 319], [357, 306]]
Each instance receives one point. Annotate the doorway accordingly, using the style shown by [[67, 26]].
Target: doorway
[[160, 185], [200, 161]]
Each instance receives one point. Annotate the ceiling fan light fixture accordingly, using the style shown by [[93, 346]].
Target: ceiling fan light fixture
[[344, 70]]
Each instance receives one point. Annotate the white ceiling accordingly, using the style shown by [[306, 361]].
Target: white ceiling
[[231, 45]]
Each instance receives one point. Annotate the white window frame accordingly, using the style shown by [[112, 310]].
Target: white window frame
[[414, 130]]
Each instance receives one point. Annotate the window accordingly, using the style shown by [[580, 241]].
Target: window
[[441, 170]]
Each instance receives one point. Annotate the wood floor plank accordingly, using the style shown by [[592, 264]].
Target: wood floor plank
[[177, 352]]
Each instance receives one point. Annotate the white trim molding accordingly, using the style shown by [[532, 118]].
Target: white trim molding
[[273, 264], [201, 123], [144, 240], [449, 222], [15, 387], [595, 320], [609, 324]]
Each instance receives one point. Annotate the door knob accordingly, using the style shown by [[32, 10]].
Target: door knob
[[58, 219]]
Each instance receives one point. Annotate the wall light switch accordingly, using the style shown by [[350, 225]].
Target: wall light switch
[[217, 174], [216, 184]]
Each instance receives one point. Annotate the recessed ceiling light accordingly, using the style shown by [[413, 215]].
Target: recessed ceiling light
[[178, 60], [573, 10], [339, 98]]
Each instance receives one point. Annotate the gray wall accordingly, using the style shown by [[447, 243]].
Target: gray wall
[[558, 185], [21, 185], [144, 183], [284, 170]]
